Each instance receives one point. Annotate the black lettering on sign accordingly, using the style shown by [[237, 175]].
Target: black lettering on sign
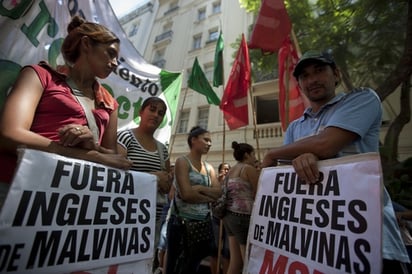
[[332, 184], [69, 249], [44, 249], [44, 207], [336, 214], [59, 172], [355, 206], [361, 247], [145, 245], [100, 209], [9, 257], [77, 184], [144, 218], [96, 178], [65, 214], [306, 211], [321, 207], [343, 258], [99, 237], [117, 205], [268, 206], [22, 208]]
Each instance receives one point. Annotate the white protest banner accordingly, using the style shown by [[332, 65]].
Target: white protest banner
[[64, 215], [33, 31], [333, 226]]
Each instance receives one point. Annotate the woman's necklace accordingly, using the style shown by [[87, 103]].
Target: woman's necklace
[[146, 142], [196, 163]]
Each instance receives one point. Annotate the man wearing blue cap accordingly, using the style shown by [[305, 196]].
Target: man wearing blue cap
[[333, 126]]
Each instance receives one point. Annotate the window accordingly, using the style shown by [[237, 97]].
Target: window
[[203, 117], [209, 72], [197, 41], [213, 35], [267, 109], [158, 59], [159, 55], [183, 121], [167, 27], [201, 14], [133, 30], [173, 5], [216, 8], [166, 34]]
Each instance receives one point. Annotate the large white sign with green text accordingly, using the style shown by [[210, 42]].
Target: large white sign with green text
[[33, 30]]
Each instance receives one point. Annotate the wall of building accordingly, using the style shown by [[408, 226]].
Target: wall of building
[[138, 24]]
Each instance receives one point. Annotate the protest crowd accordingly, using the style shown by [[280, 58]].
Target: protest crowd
[[202, 212]]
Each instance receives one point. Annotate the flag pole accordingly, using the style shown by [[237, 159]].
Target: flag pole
[[288, 62], [295, 42], [287, 101], [177, 115], [220, 242], [254, 122]]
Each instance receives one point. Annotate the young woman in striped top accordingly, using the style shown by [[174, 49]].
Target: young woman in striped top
[[147, 154]]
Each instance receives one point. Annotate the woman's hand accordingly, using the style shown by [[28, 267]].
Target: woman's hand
[[74, 135], [204, 191], [113, 160], [164, 182]]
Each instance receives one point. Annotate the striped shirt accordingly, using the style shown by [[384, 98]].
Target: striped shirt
[[143, 160]]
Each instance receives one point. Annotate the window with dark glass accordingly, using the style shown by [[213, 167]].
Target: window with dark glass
[[267, 109], [197, 42], [203, 117], [216, 8], [183, 121], [201, 14]]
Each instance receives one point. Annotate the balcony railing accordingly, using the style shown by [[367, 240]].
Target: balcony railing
[[159, 63], [164, 36], [171, 10], [268, 132]]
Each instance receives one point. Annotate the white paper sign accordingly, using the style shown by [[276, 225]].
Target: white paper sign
[[333, 226], [65, 215]]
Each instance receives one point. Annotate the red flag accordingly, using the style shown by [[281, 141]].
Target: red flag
[[234, 101], [292, 102], [272, 26]]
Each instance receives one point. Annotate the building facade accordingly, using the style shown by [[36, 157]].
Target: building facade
[[187, 29], [172, 33]]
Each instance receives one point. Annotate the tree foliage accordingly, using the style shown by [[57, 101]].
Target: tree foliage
[[250, 5], [367, 37]]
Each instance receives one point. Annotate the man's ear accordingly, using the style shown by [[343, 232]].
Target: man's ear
[[336, 73], [297, 81]]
